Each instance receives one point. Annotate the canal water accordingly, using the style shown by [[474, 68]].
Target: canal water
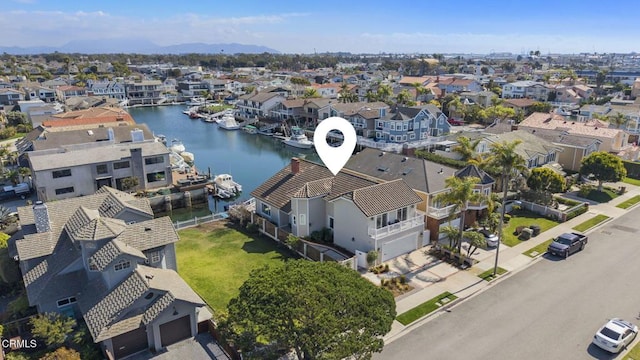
[[250, 159]]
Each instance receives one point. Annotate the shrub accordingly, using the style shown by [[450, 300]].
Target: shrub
[[579, 211], [566, 201], [507, 217], [441, 159], [403, 279], [252, 228], [585, 189]]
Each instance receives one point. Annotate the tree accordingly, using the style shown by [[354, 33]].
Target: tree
[[346, 96], [62, 354], [24, 172], [545, 179], [466, 147], [371, 96], [504, 156], [311, 93], [13, 176], [604, 167], [419, 89], [476, 240], [499, 112], [539, 106], [618, 119], [15, 118], [459, 195], [384, 92], [53, 328], [403, 97], [320, 310]]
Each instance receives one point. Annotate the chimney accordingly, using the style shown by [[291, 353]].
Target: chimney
[[295, 165], [41, 216]]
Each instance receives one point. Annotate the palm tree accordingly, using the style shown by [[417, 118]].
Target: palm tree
[[311, 93], [346, 96], [371, 96], [24, 172], [504, 156], [456, 107], [459, 195], [403, 97], [466, 147], [618, 119], [419, 89], [4, 152], [384, 92]]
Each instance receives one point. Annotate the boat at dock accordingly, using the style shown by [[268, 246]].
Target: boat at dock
[[298, 139], [228, 121], [250, 129], [224, 187], [196, 101], [177, 146]]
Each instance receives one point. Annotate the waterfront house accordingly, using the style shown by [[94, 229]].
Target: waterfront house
[[143, 92], [103, 258], [109, 89], [40, 92], [252, 106], [362, 115], [363, 214], [67, 91], [427, 179], [406, 124]]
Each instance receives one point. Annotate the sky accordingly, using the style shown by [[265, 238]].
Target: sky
[[399, 26]]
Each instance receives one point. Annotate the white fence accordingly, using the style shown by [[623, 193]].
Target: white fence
[[199, 220]]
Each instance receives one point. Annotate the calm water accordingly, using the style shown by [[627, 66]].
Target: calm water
[[250, 159]]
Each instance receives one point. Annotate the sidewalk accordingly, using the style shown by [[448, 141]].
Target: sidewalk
[[431, 277]]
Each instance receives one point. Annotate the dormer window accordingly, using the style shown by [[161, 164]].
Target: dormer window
[[122, 264], [93, 266]]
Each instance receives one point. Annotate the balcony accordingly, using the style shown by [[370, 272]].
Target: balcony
[[478, 205], [415, 222], [438, 212]]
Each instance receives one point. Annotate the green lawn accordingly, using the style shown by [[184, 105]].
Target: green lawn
[[603, 196], [215, 263], [629, 202], [488, 275], [591, 223], [631, 181], [538, 250], [634, 354], [524, 218], [425, 308]]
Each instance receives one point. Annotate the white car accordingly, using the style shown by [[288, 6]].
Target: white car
[[615, 335]]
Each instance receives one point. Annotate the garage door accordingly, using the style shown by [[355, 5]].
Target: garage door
[[399, 247], [176, 330], [130, 343]]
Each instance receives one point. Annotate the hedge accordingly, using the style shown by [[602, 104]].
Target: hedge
[[633, 169], [440, 159]]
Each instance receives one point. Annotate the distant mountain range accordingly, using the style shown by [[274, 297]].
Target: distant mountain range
[[129, 46]]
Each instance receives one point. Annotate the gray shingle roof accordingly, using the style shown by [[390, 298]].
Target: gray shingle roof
[[149, 234], [124, 308], [419, 174], [474, 171], [381, 198], [87, 224], [110, 252]]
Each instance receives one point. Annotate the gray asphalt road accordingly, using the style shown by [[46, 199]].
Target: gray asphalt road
[[548, 311]]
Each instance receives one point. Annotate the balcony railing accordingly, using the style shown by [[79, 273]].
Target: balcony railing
[[478, 205], [397, 227], [440, 213]]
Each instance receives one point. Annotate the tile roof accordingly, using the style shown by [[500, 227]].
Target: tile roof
[[52, 138], [137, 300], [110, 252], [312, 180], [531, 145], [381, 198], [522, 103], [149, 234], [556, 122]]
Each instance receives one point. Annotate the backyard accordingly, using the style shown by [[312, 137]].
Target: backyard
[[524, 218], [215, 260]]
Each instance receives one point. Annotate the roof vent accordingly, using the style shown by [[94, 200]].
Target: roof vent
[[90, 132], [149, 276]]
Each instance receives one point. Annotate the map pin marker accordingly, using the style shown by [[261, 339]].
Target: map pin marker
[[334, 157]]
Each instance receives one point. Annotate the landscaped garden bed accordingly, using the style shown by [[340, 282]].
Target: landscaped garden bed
[[397, 285], [488, 275], [629, 202]]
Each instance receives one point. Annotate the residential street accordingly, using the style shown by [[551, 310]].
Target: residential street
[[550, 310]]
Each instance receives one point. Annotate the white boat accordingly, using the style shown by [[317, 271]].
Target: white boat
[[225, 183], [196, 101], [188, 157], [298, 139], [177, 146], [228, 122]]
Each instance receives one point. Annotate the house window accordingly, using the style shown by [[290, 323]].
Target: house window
[[156, 176], [122, 264], [412, 136], [121, 165], [393, 126], [330, 222], [154, 160], [65, 190], [61, 173], [67, 301], [303, 219], [406, 127], [154, 257], [266, 209], [402, 214], [102, 169], [293, 220], [381, 221]]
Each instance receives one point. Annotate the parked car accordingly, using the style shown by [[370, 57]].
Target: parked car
[[567, 244], [492, 239], [615, 335], [455, 122]]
